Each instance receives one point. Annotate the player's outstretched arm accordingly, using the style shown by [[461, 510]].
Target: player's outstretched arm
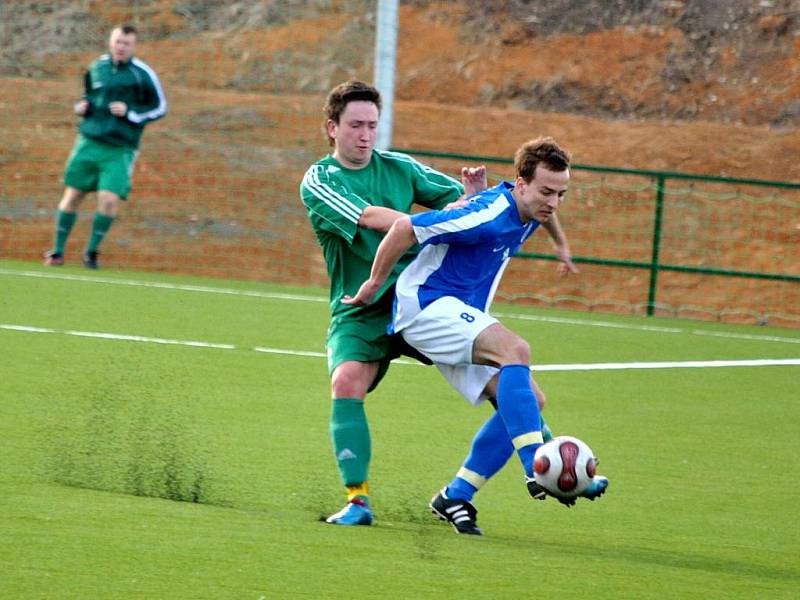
[[396, 243]]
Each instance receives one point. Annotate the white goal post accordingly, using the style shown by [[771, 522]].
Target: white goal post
[[385, 65]]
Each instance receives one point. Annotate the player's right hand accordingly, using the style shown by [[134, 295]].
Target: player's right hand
[[81, 106]]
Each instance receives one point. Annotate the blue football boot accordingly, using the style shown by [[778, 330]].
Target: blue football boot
[[597, 488], [355, 512]]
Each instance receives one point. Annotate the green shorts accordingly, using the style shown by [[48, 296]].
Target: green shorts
[[363, 338], [95, 165]]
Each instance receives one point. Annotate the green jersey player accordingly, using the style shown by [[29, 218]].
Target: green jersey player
[[353, 196], [122, 94]]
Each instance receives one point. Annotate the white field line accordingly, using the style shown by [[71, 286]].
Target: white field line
[[656, 328], [165, 286], [117, 336], [691, 364], [324, 300], [682, 364]]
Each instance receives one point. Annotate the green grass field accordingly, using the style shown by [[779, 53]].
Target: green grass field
[[166, 437]]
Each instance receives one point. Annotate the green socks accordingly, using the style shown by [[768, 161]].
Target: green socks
[[351, 441], [64, 223], [100, 228]]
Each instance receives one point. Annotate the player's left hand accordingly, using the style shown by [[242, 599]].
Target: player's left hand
[[566, 266], [118, 109]]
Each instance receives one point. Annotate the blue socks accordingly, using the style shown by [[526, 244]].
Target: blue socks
[[518, 419], [517, 406], [491, 449]]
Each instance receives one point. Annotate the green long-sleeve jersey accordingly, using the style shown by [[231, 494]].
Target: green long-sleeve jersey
[[133, 83], [335, 197]]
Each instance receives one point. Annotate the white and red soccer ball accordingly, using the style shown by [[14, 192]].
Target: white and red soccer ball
[[564, 466]]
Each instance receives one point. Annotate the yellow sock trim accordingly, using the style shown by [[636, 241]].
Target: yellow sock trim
[[471, 477], [360, 489], [526, 439]]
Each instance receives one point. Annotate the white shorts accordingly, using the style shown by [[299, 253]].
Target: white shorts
[[445, 332], [469, 380]]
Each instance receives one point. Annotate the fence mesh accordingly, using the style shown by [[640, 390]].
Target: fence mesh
[[709, 226]]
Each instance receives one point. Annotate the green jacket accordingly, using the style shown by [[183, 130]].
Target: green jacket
[[133, 83]]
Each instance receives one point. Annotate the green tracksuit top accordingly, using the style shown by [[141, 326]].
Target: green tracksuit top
[[133, 83]]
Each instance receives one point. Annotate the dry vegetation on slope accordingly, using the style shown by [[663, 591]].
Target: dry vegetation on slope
[[696, 86]]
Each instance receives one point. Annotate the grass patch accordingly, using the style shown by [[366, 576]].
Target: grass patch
[[144, 469]]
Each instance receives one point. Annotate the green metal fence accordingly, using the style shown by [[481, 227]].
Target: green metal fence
[[782, 231]]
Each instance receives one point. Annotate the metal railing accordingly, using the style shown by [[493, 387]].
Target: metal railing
[[654, 266]]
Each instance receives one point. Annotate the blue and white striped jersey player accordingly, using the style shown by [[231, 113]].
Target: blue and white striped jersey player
[[441, 309]]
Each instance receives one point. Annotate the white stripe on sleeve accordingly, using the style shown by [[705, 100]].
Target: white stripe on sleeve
[[468, 221], [160, 110], [329, 196]]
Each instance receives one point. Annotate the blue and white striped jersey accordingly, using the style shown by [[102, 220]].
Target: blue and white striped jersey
[[464, 253]]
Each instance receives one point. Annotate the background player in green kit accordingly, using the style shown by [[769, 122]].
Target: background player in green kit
[[121, 95], [352, 196]]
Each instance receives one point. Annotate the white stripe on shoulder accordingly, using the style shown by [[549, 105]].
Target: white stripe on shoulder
[[160, 110], [468, 221], [329, 196]]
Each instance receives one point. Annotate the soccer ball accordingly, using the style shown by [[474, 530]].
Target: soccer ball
[[564, 466]]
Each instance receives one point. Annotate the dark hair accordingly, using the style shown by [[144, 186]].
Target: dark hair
[[540, 150], [127, 29], [344, 93]]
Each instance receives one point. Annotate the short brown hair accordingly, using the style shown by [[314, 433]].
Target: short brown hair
[[540, 150], [347, 92]]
